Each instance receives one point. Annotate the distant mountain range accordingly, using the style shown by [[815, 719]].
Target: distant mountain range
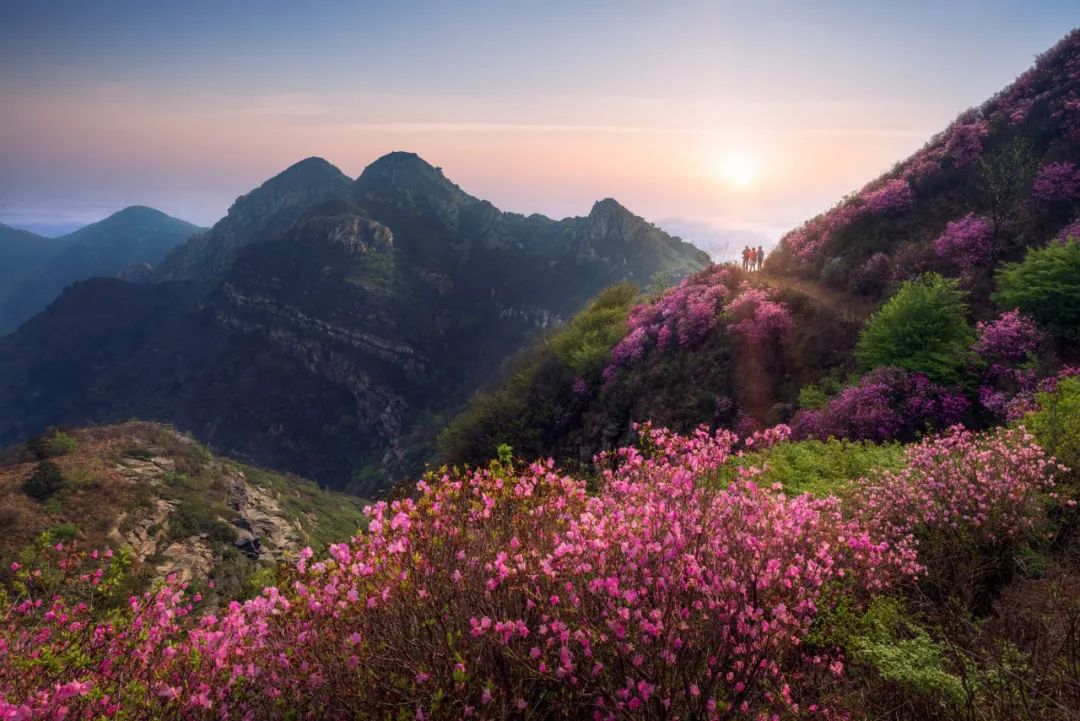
[[326, 325], [34, 269]]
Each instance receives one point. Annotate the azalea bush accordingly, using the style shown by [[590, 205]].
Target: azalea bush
[[967, 243], [490, 593], [682, 586], [755, 316], [968, 501], [1007, 348], [884, 405]]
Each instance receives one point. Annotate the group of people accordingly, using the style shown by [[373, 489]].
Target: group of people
[[752, 259]]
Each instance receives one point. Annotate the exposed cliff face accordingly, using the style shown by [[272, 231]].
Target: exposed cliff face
[[329, 328]]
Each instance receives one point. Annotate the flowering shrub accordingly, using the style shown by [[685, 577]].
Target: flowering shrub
[[968, 243], [886, 404], [964, 141], [1057, 181], [895, 196], [683, 314], [966, 500], [755, 315], [1008, 347], [491, 593]]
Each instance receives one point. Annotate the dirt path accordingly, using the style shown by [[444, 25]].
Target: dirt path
[[847, 306], [755, 395]]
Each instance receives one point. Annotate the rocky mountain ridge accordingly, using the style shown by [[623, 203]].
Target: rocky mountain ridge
[[327, 325]]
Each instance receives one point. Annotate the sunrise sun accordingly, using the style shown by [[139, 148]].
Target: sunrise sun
[[737, 168]]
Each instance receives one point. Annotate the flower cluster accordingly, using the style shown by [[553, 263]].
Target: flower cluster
[[886, 404], [664, 594], [684, 314], [1048, 86], [964, 141], [1007, 345], [755, 316], [1057, 181], [873, 275], [987, 486], [895, 196], [968, 243]]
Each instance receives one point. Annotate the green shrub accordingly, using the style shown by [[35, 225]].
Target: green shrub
[[922, 328], [1046, 286], [823, 468], [51, 445], [812, 397], [584, 346], [887, 640], [1056, 424], [46, 480]]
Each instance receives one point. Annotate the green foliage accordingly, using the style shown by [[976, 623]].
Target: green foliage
[[887, 640], [1003, 179], [45, 481], [822, 468], [194, 516], [526, 410], [51, 445], [922, 328], [1046, 286], [1056, 424], [812, 397], [584, 346]]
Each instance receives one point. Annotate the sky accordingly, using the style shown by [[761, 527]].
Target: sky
[[726, 123]]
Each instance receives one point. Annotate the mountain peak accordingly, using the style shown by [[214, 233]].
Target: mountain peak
[[309, 172], [608, 207], [401, 170]]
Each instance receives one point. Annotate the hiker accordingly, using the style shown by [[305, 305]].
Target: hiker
[[760, 257], [745, 257]]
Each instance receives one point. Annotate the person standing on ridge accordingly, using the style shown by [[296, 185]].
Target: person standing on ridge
[[760, 257]]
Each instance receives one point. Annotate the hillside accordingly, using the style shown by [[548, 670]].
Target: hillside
[[737, 350], [330, 336], [160, 497], [20, 252], [135, 236]]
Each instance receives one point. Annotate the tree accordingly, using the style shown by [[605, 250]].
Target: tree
[[922, 328], [1004, 180], [1046, 286]]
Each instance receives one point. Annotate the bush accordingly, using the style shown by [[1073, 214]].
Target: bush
[[824, 467], [885, 404], [584, 346], [1046, 286], [50, 446], [1056, 423], [46, 480], [922, 328]]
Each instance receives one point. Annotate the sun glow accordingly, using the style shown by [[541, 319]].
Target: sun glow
[[737, 168]]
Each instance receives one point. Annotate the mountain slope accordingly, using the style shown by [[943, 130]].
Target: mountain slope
[[20, 252], [731, 349], [172, 505], [259, 215], [331, 338], [131, 237]]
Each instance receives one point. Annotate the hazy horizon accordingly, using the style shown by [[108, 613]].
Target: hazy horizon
[[724, 125]]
